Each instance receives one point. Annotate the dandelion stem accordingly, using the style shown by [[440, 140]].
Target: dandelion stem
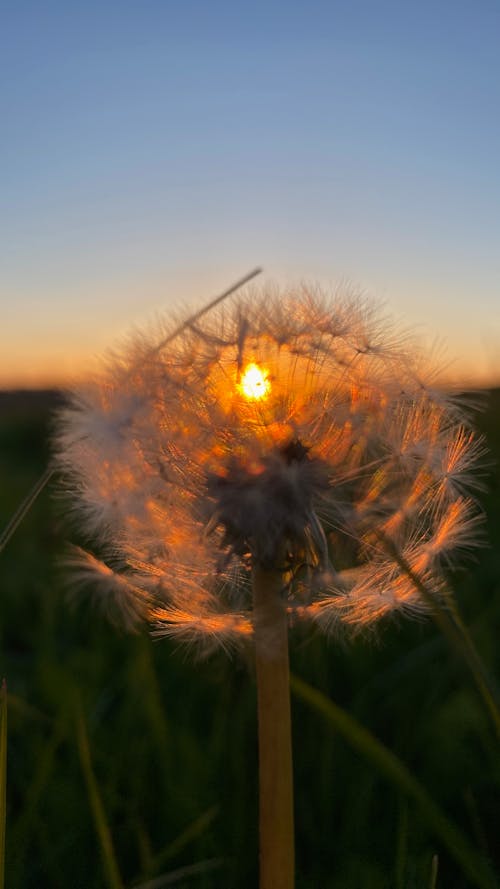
[[275, 742]]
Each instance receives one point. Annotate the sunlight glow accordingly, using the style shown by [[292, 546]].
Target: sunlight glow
[[254, 383]]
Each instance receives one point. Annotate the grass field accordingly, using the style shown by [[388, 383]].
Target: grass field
[[130, 765]]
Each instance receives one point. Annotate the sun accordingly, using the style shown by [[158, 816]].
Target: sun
[[254, 383]]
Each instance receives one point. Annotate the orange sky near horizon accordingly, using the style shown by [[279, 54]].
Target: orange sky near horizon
[[41, 357], [153, 155]]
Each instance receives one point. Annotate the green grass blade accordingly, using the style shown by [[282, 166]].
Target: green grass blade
[[113, 878], [457, 844], [453, 628], [434, 872], [20, 707], [181, 874], [3, 778], [191, 832], [402, 844], [40, 783], [25, 507]]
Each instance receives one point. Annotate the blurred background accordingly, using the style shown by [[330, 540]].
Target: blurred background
[[151, 154], [130, 764]]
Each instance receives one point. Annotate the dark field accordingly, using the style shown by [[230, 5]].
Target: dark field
[[128, 762]]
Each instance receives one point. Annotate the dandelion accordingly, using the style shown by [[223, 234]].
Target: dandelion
[[281, 461]]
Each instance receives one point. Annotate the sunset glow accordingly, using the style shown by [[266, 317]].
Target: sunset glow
[[145, 171], [254, 383]]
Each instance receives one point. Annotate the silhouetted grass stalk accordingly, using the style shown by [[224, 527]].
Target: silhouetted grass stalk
[[451, 625], [25, 507], [360, 739], [434, 872], [182, 873], [3, 777], [46, 476], [276, 830], [190, 833], [113, 878]]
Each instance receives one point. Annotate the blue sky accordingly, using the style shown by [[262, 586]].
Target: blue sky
[[154, 151]]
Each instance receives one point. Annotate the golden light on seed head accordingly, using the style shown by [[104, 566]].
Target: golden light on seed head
[[254, 383], [285, 423]]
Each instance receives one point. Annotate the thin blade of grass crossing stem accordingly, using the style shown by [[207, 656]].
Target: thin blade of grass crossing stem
[[38, 487], [182, 873], [3, 778], [113, 878], [360, 739], [402, 843], [45, 765], [206, 308], [191, 832], [451, 625], [434, 872], [25, 507]]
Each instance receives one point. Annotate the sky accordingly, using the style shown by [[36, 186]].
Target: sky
[[152, 152]]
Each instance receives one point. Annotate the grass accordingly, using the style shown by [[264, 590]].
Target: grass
[[131, 766], [3, 778]]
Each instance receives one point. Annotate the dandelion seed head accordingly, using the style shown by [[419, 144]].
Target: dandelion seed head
[[287, 429]]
